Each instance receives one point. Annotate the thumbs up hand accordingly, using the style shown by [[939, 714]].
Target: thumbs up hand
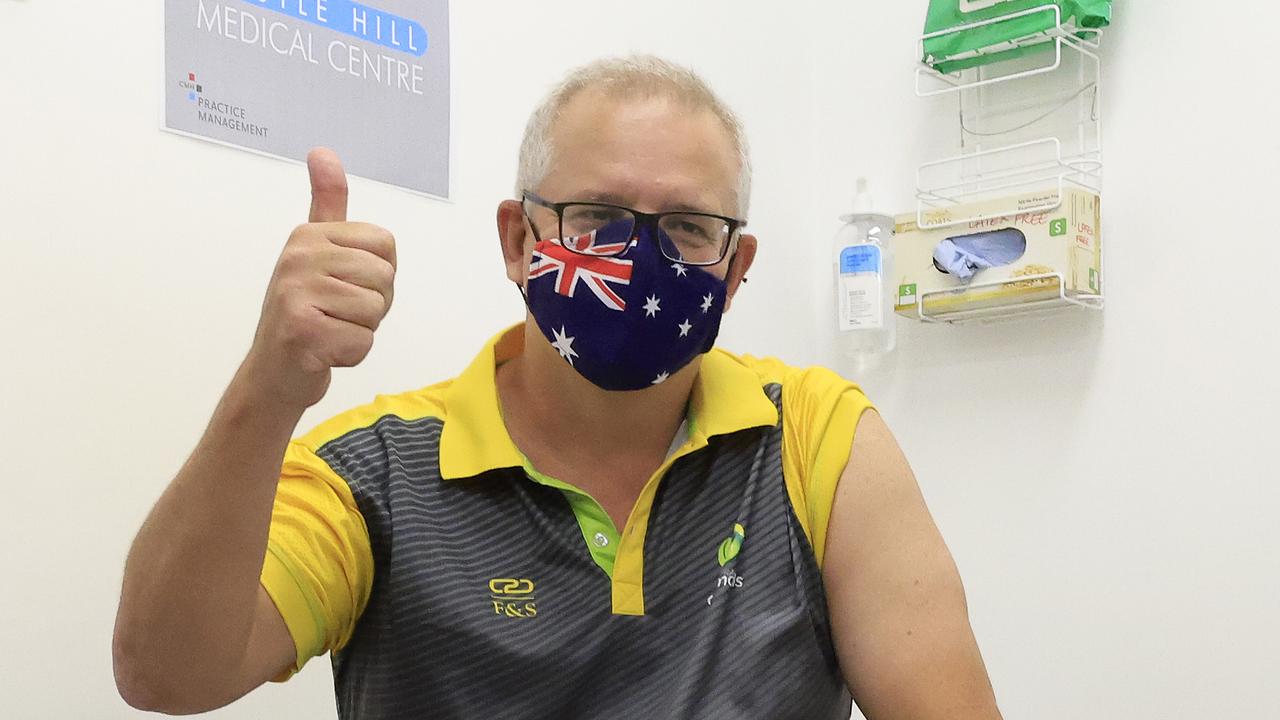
[[331, 288]]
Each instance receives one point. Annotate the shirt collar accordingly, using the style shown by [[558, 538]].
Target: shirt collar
[[727, 397], [474, 438]]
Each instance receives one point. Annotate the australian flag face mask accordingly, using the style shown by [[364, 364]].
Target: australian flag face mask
[[624, 322]]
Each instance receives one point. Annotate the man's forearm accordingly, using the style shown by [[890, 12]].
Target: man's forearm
[[191, 579]]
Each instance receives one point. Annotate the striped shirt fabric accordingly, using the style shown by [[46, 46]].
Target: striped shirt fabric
[[449, 578]]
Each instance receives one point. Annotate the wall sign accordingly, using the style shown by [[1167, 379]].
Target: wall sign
[[282, 76]]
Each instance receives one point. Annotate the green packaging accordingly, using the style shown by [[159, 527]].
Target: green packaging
[[1004, 39]]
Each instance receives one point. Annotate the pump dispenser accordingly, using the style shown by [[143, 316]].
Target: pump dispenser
[[863, 266]]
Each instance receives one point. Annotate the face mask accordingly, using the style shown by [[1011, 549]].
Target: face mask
[[626, 322]]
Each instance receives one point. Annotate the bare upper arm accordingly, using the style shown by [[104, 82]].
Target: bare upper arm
[[898, 609], [271, 650]]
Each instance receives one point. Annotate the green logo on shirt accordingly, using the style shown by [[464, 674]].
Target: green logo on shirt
[[730, 547]]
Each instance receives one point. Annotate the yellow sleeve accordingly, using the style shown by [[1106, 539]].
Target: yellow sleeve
[[319, 566], [820, 411]]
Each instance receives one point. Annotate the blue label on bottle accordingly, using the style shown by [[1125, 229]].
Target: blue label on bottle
[[860, 258]]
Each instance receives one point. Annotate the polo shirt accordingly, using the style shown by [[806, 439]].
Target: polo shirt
[[449, 578]]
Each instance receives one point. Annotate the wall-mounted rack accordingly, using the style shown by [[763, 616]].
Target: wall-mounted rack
[[994, 177], [1060, 34], [1027, 125], [1041, 294]]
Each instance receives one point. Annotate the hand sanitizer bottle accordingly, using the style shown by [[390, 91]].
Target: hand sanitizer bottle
[[864, 292]]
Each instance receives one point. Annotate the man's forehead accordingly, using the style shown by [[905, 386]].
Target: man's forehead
[[600, 108], [616, 148]]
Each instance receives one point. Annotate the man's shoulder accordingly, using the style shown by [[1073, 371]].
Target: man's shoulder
[[408, 406], [795, 380]]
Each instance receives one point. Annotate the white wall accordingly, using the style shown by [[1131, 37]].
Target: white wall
[[1103, 482]]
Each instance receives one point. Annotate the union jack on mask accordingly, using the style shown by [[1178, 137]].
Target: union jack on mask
[[624, 322]]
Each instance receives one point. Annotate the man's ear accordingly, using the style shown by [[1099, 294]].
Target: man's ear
[[738, 266], [512, 233]]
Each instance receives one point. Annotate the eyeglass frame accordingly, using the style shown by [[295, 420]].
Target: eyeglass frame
[[652, 219]]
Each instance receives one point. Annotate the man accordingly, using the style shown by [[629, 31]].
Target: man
[[601, 517]]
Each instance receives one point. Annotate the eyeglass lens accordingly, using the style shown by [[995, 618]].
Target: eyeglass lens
[[685, 237]]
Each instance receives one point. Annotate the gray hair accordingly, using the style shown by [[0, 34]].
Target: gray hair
[[620, 76]]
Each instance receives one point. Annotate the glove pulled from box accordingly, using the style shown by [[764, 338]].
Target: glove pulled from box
[[964, 255]]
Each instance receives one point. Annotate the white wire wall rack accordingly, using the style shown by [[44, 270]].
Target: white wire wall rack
[[1041, 294], [1030, 124], [1060, 34], [997, 176]]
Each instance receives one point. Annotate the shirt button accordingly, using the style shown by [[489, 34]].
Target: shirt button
[[601, 539]]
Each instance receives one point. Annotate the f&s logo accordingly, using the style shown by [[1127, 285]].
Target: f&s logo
[[513, 597]]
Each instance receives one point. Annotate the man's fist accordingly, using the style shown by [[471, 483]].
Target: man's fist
[[331, 288]]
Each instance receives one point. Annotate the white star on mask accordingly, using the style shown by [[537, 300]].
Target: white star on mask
[[651, 306], [706, 303], [680, 269], [564, 345], [662, 377], [685, 327]]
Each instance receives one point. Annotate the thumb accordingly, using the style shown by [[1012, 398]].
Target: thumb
[[328, 186]]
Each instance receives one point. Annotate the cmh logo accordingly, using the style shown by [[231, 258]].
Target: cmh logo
[[192, 87]]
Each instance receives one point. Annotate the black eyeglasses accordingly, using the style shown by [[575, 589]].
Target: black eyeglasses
[[605, 230]]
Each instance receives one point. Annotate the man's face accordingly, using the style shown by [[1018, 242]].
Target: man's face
[[650, 154]]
